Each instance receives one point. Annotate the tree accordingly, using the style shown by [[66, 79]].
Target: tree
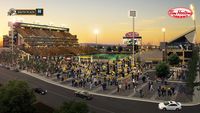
[[120, 48], [173, 59], [109, 49], [73, 107], [192, 69], [16, 97], [162, 70], [114, 48]]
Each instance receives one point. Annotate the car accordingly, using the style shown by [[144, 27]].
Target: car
[[40, 91], [16, 70], [83, 94], [170, 105]]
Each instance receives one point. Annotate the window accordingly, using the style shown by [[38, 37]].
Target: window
[[172, 105]]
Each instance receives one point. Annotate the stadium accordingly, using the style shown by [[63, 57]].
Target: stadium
[[44, 40]]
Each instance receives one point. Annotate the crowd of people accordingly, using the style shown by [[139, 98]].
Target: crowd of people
[[87, 74], [165, 91]]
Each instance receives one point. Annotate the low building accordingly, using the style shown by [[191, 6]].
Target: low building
[[182, 46]]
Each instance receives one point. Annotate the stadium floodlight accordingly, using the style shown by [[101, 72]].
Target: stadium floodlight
[[96, 31], [163, 29], [193, 10], [194, 20], [132, 14]]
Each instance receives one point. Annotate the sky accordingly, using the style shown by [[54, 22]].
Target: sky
[[110, 17]]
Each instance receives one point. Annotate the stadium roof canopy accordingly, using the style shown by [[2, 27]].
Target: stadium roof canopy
[[20, 24], [186, 38]]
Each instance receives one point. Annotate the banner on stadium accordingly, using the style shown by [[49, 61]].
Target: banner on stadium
[[36, 12]]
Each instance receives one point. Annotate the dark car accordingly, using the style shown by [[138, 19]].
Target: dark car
[[83, 94], [40, 91]]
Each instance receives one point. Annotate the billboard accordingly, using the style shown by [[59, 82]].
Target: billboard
[[128, 39]]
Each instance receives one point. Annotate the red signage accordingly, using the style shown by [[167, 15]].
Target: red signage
[[130, 34], [180, 12]]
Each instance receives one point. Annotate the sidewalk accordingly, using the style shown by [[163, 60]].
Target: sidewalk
[[94, 93]]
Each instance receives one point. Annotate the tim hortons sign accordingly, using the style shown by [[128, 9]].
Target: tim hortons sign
[[180, 12]]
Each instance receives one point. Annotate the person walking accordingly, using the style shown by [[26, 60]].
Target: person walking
[[141, 93], [133, 81], [151, 87], [118, 88], [129, 86], [90, 85]]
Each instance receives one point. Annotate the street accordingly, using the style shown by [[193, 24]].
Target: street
[[57, 95]]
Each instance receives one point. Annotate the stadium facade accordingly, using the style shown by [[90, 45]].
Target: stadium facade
[[35, 35], [182, 45]]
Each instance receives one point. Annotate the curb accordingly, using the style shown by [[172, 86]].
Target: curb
[[97, 94]]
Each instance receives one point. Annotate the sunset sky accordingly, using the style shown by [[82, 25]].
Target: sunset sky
[[109, 16]]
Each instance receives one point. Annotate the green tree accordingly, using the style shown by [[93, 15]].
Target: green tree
[[109, 49], [120, 49], [16, 97], [192, 69], [73, 107], [162, 70], [114, 48], [173, 59]]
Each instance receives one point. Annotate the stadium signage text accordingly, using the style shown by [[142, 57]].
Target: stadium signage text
[[180, 12], [36, 12]]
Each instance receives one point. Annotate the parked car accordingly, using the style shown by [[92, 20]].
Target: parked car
[[83, 94], [170, 105], [40, 91]]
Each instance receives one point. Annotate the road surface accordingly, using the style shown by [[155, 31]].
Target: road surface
[[57, 95]]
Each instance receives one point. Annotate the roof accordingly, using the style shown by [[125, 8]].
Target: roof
[[189, 35], [40, 26]]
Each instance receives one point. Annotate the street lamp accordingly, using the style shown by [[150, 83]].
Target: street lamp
[[163, 30], [164, 50], [133, 15], [194, 18], [12, 22], [96, 32]]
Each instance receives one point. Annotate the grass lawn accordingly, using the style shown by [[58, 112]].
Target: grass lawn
[[110, 56]]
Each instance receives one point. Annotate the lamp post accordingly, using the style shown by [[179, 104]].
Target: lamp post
[[133, 15], [194, 20], [12, 38], [163, 30], [96, 32], [164, 50]]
